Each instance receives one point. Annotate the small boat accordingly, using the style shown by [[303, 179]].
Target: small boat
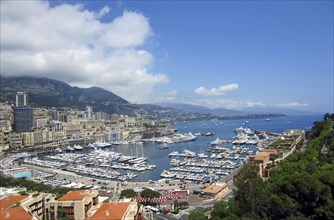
[[202, 155], [215, 142], [58, 150], [173, 154], [164, 146], [90, 145], [77, 147], [69, 148], [267, 119]]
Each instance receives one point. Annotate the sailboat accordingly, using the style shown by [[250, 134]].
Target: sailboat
[[164, 146]]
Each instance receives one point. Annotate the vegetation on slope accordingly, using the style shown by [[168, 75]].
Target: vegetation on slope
[[301, 187], [7, 181]]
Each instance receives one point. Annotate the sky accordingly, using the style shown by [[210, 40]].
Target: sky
[[230, 54]]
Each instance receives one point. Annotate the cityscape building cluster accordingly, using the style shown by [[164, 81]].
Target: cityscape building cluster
[[22, 126]]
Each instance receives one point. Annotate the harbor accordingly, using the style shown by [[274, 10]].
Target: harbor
[[194, 156]]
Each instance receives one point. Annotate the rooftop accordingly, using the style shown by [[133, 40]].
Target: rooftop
[[11, 200], [113, 211], [74, 195], [15, 213], [214, 188]]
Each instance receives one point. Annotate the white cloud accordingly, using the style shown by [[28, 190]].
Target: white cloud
[[70, 43], [216, 91], [105, 10], [251, 104], [164, 96], [292, 105]]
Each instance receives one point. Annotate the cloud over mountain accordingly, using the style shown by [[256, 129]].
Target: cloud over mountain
[[216, 91], [292, 105], [72, 44]]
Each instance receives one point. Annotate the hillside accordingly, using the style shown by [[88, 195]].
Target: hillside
[[301, 187], [53, 93], [200, 109]]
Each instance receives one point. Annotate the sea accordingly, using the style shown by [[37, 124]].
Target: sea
[[224, 129]]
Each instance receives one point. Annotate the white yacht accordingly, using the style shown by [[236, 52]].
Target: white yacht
[[69, 148], [173, 154], [77, 147], [215, 142], [164, 146], [58, 150], [202, 155]]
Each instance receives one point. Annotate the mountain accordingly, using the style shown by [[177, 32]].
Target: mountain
[[186, 107], [280, 111], [229, 112], [200, 109], [53, 93]]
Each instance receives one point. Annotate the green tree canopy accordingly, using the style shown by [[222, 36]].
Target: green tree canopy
[[127, 193], [197, 215], [300, 187], [148, 193]]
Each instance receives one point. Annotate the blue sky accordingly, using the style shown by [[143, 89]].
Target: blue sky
[[233, 54]]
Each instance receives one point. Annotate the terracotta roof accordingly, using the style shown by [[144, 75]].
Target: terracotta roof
[[73, 195], [111, 211], [16, 213], [272, 151], [214, 189], [11, 200], [262, 155]]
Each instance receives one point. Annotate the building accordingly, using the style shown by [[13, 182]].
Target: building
[[40, 122], [15, 140], [101, 116], [35, 204], [288, 142], [116, 211], [15, 213], [264, 158], [217, 190], [27, 139], [4, 145], [89, 112], [5, 125], [73, 205], [23, 119], [21, 99], [22, 207], [113, 136], [42, 136]]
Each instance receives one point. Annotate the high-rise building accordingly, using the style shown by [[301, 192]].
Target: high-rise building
[[23, 119], [89, 112], [21, 99], [101, 116]]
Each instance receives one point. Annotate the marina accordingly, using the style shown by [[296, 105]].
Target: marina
[[194, 159]]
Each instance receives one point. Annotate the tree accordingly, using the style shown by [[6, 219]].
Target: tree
[[127, 193], [220, 209], [197, 215], [148, 194], [22, 193], [251, 196]]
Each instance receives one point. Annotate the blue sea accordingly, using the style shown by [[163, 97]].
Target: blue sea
[[222, 129]]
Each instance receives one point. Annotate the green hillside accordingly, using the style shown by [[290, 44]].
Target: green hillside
[[301, 187]]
